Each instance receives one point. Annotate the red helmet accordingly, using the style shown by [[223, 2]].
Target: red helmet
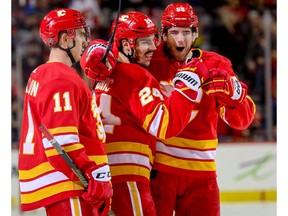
[[61, 19], [132, 26], [179, 15]]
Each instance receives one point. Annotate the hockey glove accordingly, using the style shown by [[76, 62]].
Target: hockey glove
[[91, 62], [227, 89], [99, 186], [189, 78], [106, 207]]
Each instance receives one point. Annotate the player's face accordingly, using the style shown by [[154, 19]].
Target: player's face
[[81, 44], [144, 50], [179, 41]]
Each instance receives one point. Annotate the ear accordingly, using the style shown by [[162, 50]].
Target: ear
[[64, 40], [126, 47], [195, 34], [164, 37]]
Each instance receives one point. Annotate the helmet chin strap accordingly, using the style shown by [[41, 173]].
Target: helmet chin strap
[[68, 51], [129, 56]]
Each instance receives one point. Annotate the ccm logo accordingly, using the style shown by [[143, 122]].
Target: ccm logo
[[102, 175]]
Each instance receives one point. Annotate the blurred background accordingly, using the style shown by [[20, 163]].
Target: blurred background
[[242, 30]]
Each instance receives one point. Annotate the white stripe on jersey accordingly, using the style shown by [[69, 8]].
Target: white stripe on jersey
[[154, 127], [62, 140], [129, 158], [186, 153], [42, 181]]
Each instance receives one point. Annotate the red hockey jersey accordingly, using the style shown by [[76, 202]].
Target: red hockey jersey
[[59, 98], [134, 112], [192, 152]]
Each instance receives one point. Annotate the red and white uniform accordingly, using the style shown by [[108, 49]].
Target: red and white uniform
[[59, 98], [185, 164], [134, 112]]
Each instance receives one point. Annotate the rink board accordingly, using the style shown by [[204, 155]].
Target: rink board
[[246, 172]]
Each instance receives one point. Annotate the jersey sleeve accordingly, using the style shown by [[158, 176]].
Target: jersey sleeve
[[241, 116], [161, 116]]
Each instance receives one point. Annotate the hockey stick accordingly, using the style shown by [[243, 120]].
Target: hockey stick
[[112, 36], [103, 60], [68, 160], [63, 154]]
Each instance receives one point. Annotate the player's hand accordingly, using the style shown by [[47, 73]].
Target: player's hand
[[197, 66], [99, 186], [189, 78], [91, 62], [227, 89]]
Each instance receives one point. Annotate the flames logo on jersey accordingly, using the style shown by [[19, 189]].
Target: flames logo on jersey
[[99, 124]]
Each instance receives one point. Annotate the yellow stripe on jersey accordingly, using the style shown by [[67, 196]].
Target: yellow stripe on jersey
[[164, 125], [195, 144], [185, 164], [68, 129], [222, 112], [157, 127], [99, 159], [135, 198], [76, 206], [49, 191], [36, 171], [114, 147], [149, 118], [52, 152], [129, 170], [251, 100]]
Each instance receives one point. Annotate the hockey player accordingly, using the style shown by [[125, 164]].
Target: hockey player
[[183, 178], [58, 97], [133, 109]]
